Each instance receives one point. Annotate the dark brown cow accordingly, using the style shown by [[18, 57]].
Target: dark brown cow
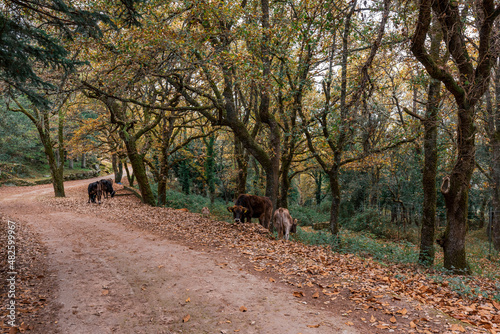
[[107, 188], [251, 206], [95, 190], [284, 223]]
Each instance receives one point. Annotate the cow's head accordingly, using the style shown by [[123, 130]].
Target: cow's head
[[294, 226], [238, 212]]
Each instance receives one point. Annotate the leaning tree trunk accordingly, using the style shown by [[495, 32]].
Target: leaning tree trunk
[[455, 189], [139, 169], [130, 176]]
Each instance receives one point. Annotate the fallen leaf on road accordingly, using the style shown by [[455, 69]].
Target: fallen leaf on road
[[188, 300], [456, 327], [403, 311], [316, 295], [186, 318], [243, 309], [298, 294], [314, 326]]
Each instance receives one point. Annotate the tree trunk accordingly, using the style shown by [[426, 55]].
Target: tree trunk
[[318, 179], [285, 182], [70, 163], [119, 172], [117, 167], [428, 229], [242, 164], [333, 177], [84, 160], [273, 169], [374, 189], [139, 169], [455, 189], [494, 136], [130, 177]]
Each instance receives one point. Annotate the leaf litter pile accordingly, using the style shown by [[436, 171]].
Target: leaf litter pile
[[391, 298]]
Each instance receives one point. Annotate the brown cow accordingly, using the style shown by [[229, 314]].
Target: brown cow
[[251, 206], [284, 223]]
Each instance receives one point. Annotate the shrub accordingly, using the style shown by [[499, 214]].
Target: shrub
[[370, 220], [307, 216]]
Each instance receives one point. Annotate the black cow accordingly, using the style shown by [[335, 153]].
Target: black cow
[[107, 187], [251, 206], [95, 191]]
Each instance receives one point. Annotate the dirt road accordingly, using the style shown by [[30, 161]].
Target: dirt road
[[112, 277]]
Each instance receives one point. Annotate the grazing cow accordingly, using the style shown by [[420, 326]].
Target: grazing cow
[[205, 212], [251, 206], [95, 190], [284, 223], [107, 185]]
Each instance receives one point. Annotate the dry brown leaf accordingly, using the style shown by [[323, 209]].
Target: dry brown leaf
[[373, 319], [316, 295], [272, 280], [188, 300], [403, 311], [243, 309], [186, 318], [393, 319], [314, 326], [105, 292], [456, 327], [298, 294], [349, 323]]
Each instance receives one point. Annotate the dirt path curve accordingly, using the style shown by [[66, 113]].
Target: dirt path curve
[[114, 278]]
